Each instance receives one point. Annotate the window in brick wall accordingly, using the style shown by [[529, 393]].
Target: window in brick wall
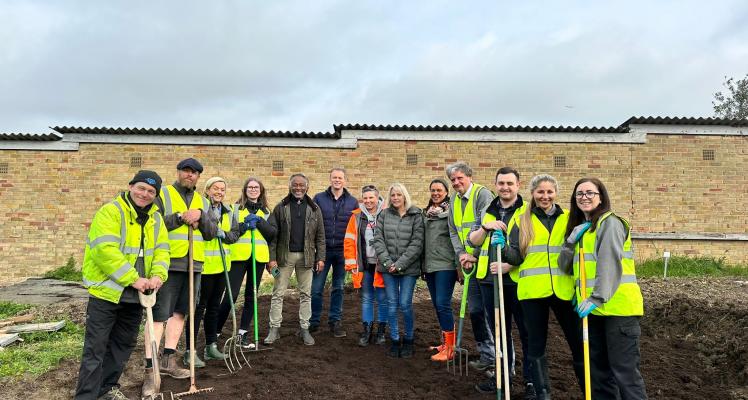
[[707, 155], [136, 161], [559, 161], [411, 159], [278, 166], [3, 168]]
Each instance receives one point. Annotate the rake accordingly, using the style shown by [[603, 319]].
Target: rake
[[460, 353], [191, 271], [232, 348], [148, 300]]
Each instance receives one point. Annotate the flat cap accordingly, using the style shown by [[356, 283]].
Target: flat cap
[[190, 163]]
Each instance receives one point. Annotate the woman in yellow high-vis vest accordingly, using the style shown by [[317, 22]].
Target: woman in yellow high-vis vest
[[213, 281], [535, 240], [252, 202], [613, 301]]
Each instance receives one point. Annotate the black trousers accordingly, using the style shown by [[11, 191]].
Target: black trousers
[[536, 313], [111, 335], [614, 358], [236, 276], [211, 291]]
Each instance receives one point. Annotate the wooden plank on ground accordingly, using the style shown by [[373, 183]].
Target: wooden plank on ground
[[26, 328], [7, 339], [16, 320]]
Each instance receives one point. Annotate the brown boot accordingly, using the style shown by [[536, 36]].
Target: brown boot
[[448, 352], [169, 367], [150, 386]]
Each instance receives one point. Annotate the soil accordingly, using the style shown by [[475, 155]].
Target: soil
[[693, 346]]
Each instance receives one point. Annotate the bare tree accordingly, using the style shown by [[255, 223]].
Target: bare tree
[[734, 103]]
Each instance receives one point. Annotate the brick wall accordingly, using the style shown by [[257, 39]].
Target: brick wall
[[49, 197]]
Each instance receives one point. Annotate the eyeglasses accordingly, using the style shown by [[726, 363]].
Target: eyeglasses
[[253, 188], [588, 195]]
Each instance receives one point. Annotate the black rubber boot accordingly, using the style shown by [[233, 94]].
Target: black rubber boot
[[539, 370], [407, 350], [394, 351], [365, 337], [381, 339]]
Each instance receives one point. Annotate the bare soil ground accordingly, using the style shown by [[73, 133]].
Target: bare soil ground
[[693, 346]]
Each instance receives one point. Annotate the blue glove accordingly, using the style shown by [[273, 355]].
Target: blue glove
[[585, 308], [497, 239], [251, 221], [578, 231]]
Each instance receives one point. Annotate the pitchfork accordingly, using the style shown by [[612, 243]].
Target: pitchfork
[[460, 353], [233, 346]]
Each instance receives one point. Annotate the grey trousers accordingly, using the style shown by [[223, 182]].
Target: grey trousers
[[294, 262]]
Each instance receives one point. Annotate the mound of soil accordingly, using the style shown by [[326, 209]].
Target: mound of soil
[[693, 347]]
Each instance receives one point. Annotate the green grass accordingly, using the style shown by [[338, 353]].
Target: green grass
[[682, 266], [40, 351], [10, 309], [68, 272]]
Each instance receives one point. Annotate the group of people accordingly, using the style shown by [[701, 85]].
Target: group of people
[[140, 242]]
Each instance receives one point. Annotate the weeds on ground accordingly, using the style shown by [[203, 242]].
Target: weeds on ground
[[40, 351], [682, 266], [68, 272], [10, 309]]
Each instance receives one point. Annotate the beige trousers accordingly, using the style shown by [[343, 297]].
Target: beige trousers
[[294, 261]]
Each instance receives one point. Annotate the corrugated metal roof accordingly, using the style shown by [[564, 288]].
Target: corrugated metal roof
[[685, 121], [194, 132], [494, 128], [31, 137]]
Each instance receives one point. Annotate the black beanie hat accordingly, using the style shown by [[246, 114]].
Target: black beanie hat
[[148, 177]]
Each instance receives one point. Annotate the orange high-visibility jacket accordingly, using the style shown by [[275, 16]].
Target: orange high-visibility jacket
[[354, 260]]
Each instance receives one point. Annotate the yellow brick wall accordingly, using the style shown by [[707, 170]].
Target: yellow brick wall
[[49, 197]]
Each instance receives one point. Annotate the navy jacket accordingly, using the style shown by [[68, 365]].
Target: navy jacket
[[335, 214]]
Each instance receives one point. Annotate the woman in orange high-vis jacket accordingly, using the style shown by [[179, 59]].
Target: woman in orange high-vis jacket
[[361, 260]]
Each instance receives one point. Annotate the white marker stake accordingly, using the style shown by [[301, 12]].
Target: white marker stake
[[666, 255]]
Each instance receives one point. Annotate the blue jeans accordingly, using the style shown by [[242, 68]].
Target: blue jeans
[[368, 291], [337, 262], [400, 295], [441, 286]]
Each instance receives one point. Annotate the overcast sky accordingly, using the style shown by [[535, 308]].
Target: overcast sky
[[306, 65]]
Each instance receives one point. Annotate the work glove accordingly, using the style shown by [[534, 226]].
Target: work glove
[[251, 221], [585, 308], [498, 239], [577, 233]]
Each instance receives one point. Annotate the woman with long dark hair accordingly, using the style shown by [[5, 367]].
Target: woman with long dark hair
[[612, 301], [251, 206]]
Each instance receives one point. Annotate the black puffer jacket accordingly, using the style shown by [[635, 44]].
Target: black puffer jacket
[[399, 240]]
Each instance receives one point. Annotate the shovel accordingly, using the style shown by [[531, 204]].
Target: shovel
[[232, 348], [148, 300], [254, 297], [500, 330], [460, 353], [191, 271], [585, 328]]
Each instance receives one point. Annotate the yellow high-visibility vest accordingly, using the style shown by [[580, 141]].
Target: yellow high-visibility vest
[[242, 249], [173, 203], [627, 300]]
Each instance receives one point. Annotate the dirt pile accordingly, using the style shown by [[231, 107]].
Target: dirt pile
[[693, 347]]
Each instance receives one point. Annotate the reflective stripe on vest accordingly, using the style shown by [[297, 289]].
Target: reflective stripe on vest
[[539, 275], [178, 238], [213, 263], [242, 249], [484, 256], [464, 221], [627, 300], [105, 286]]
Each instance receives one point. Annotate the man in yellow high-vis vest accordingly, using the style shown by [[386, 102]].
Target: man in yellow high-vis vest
[[127, 251], [466, 210], [182, 208]]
